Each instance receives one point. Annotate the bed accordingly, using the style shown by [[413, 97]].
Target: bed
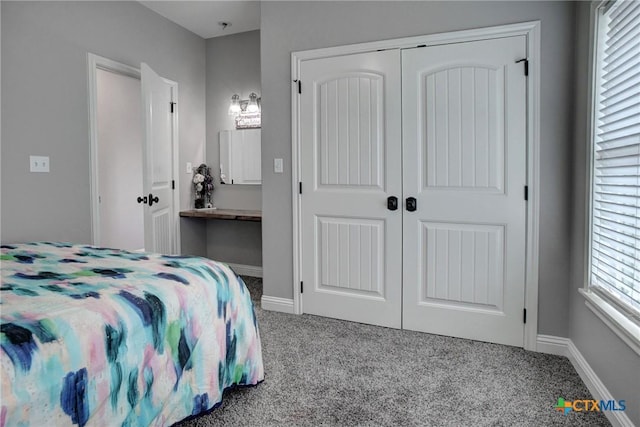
[[96, 336]]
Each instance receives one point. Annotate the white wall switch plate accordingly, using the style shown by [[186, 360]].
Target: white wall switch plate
[[39, 163], [189, 168], [277, 165]]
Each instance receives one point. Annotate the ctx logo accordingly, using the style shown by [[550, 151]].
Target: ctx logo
[[589, 405]]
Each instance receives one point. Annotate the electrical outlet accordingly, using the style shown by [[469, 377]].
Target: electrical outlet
[[39, 163], [277, 165], [189, 168]]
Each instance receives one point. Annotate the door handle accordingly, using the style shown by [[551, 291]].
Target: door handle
[[142, 199], [392, 203], [152, 199], [412, 204]]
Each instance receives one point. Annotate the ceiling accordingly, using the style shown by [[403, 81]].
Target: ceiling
[[203, 17]]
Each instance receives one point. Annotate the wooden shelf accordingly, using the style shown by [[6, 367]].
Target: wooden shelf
[[230, 214]]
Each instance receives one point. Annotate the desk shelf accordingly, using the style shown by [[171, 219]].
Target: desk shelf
[[228, 214]]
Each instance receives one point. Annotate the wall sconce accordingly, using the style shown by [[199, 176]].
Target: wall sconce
[[247, 112], [239, 106], [234, 108], [252, 106]]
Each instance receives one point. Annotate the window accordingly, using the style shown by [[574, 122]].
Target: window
[[614, 276]]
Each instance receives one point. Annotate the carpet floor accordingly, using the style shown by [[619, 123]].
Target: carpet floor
[[321, 371]]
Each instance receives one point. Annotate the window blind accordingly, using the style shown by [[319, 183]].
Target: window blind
[[615, 240]]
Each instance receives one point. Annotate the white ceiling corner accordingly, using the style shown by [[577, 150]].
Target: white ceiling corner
[[202, 17]]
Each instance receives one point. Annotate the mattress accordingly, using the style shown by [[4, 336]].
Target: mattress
[[97, 336]]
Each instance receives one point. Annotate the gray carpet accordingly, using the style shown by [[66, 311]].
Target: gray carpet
[[322, 371]]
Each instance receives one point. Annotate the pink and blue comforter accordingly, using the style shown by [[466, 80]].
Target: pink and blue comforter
[[94, 336]]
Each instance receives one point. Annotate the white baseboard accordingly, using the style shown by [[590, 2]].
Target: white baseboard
[[596, 386], [553, 345], [246, 270], [283, 305], [565, 347]]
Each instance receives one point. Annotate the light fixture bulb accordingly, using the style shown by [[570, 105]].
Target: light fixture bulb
[[252, 106], [234, 108]]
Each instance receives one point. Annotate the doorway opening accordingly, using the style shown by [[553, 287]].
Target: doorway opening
[[127, 143], [119, 149]]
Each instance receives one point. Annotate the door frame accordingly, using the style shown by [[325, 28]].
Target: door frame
[[95, 63], [531, 30]]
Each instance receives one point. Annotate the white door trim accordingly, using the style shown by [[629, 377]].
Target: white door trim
[[529, 29], [95, 63]]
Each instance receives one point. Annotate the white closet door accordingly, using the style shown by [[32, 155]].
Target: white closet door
[[464, 129], [159, 221], [350, 163]]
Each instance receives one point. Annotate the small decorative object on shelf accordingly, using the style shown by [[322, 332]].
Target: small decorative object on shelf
[[203, 186]]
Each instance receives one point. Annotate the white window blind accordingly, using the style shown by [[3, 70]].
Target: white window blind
[[615, 237]]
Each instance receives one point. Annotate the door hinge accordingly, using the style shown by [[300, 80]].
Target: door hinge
[[299, 82], [300, 187], [526, 192], [171, 104], [526, 65], [524, 315], [173, 184], [301, 287]]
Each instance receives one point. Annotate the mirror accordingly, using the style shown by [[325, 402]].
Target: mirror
[[240, 157]]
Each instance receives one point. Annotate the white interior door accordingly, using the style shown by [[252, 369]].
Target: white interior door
[[464, 151], [159, 216], [350, 163]]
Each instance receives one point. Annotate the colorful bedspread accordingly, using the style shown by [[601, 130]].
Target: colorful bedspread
[[94, 336]]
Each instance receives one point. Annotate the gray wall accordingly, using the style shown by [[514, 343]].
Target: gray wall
[[233, 66], [293, 26], [238, 242], [45, 106], [613, 361]]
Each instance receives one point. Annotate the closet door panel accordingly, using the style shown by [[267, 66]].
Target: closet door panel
[[464, 161], [350, 163]]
